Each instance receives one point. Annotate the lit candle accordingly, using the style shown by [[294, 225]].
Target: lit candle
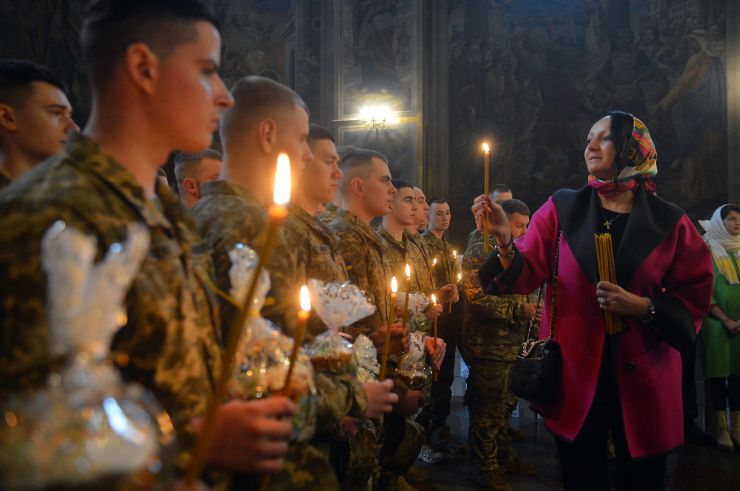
[[387, 345], [277, 213], [434, 328], [454, 268], [486, 153], [300, 331], [406, 300], [459, 277]]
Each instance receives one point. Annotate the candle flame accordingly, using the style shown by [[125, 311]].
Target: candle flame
[[459, 276], [434, 299], [305, 299], [394, 285], [454, 253], [281, 191], [408, 271], [434, 263], [486, 148]]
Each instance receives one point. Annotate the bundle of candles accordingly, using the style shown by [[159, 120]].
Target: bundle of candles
[[607, 272]]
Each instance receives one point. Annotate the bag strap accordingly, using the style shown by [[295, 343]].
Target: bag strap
[[555, 283], [531, 339]]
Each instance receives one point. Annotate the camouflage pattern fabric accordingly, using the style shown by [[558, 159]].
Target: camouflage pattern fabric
[[170, 342], [228, 214], [486, 397], [398, 253], [440, 250], [362, 250], [329, 214], [494, 327]]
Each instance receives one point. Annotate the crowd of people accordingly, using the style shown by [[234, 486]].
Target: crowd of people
[[153, 72]]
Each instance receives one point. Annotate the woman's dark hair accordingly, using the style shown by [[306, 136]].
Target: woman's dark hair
[[621, 128], [727, 209]]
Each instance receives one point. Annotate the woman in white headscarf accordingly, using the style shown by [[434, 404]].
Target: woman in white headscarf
[[720, 334]]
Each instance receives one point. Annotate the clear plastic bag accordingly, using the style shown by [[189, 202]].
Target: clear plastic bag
[[365, 359], [418, 303], [86, 429], [412, 368], [263, 358], [337, 305]]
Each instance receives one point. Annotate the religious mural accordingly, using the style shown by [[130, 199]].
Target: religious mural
[[532, 77]]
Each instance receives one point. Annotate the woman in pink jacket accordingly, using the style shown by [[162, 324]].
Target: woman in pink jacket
[[629, 383]]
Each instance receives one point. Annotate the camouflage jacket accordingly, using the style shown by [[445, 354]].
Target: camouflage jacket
[[317, 258], [362, 250], [397, 254], [170, 342], [494, 326], [440, 250], [4, 181], [228, 214], [330, 213]]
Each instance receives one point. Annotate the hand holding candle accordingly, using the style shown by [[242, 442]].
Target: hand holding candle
[[387, 344], [486, 153], [277, 213]]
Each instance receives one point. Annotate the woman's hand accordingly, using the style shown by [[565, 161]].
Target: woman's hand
[[615, 299], [498, 222]]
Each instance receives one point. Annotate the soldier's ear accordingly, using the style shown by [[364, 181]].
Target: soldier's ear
[[267, 135], [8, 120], [356, 185], [142, 67]]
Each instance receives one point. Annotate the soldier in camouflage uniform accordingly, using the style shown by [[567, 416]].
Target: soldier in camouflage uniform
[[494, 329], [444, 271], [170, 342], [37, 119], [234, 210]]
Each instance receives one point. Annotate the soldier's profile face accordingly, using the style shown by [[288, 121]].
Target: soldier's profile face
[[189, 95], [320, 180], [422, 213], [377, 189], [439, 216], [42, 122], [404, 207]]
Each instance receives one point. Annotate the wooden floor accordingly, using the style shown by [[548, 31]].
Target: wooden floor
[[694, 467]]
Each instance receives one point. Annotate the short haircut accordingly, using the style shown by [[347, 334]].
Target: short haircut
[[317, 132], [727, 209], [186, 163], [512, 206], [500, 188], [401, 184], [17, 78], [109, 27], [436, 200], [255, 99], [356, 162]]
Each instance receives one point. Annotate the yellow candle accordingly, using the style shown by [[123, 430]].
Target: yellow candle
[[486, 153], [405, 317], [434, 328], [387, 345], [276, 215], [300, 331]]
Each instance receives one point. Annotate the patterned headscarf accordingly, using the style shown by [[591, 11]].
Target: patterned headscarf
[[722, 243], [636, 161]]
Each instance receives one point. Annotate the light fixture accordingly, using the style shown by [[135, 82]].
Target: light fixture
[[376, 116]]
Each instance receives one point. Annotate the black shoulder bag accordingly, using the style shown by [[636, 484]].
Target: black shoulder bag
[[537, 371]]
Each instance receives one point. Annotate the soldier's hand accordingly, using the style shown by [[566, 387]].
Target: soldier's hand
[[399, 338], [436, 350], [449, 293], [380, 399], [348, 427], [410, 402], [251, 436]]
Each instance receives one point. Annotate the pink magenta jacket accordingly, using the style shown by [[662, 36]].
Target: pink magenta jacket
[[660, 256]]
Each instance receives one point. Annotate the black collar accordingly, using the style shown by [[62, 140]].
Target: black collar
[[649, 222]]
